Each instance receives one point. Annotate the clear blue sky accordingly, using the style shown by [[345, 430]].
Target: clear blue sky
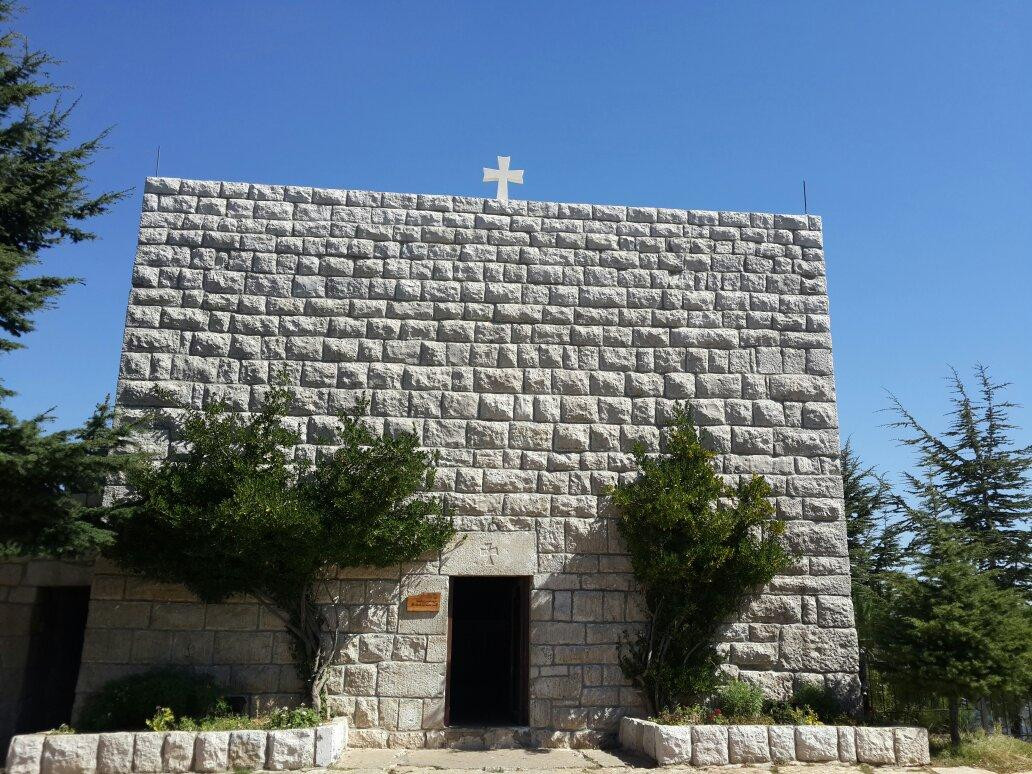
[[911, 122]]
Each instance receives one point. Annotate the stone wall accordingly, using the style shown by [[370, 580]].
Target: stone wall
[[135, 625], [747, 745], [20, 580], [531, 344]]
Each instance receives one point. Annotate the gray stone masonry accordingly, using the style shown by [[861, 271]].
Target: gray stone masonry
[[122, 752], [20, 583], [531, 344], [706, 746]]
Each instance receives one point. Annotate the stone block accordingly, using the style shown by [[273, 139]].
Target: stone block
[[405, 679], [177, 752], [211, 751], [629, 733], [709, 746], [115, 753], [649, 738], [760, 655], [816, 744], [291, 749], [782, 743], [147, 751], [847, 744], [246, 749], [748, 744], [912, 747], [673, 744], [424, 623], [875, 745], [24, 754], [331, 739], [491, 553], [808, 648], [69, 753]]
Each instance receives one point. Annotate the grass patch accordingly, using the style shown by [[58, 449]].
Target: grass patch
[[995, 752]]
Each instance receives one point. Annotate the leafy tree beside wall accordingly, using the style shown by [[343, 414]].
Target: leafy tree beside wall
[[699, 548], [235, 513]]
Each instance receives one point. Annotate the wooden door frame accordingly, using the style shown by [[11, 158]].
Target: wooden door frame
[[523, 584]]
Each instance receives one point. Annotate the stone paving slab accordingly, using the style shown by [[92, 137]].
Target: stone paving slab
[[570, 762]]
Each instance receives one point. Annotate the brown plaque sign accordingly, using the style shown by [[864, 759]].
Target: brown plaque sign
[[429, 602]]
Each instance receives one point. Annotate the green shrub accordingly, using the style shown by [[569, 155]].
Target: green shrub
[[164, 719], [821, 699], [784, 713], [699, 548], [299, 717], [126, 704], [680, 715], [738, 699]]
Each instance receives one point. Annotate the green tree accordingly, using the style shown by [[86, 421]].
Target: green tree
[[874, 533], [234, 513], [980, 479], [43, 185], [699, 548], [51, 480], [52, 484], [951, 631]]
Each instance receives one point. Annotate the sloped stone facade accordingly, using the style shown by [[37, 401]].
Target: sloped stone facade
[[531, 344]]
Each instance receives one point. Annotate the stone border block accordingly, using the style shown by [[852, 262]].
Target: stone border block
[[211, 751], [290, 749], [331, 740], [115, 753], [816, 744], [147, 752], [177, 752], [875, 745], [912, 747], [673, 744], [24, 754], [782, 743], [748, 744], [847, 744], [649, 732], [247, 749], [709, 746], [69, 753]]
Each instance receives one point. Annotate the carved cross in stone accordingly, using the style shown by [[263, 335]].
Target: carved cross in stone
[[489, 551], [503, 176]]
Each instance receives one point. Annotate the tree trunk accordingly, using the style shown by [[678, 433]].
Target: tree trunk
[[954, 721], [866, 707], [315, 695], [304, 620]]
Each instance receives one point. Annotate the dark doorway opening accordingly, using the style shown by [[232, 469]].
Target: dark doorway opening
[[488, 651], [55, 651]]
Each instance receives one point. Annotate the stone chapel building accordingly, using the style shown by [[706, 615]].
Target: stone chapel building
[[531, 344]]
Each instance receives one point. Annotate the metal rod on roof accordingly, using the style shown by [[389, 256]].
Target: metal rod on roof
[[806, 210]]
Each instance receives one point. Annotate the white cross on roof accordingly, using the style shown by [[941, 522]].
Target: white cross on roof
[[503, 175]]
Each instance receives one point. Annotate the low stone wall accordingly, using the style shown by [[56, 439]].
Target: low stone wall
[[177, 751], [731, 745]]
